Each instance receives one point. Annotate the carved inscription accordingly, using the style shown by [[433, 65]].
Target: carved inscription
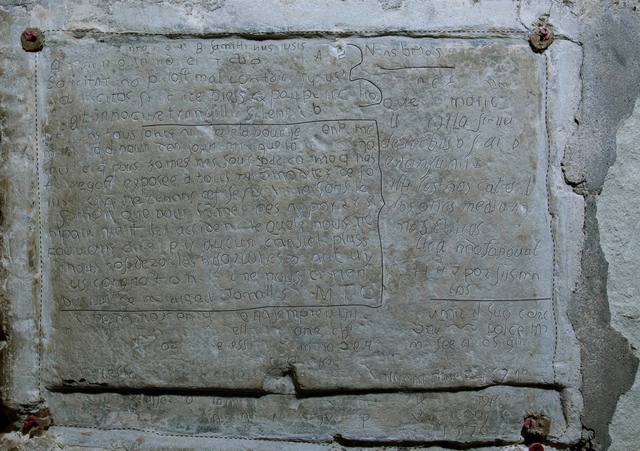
[[252, 216], [467, 417], [362, 213]]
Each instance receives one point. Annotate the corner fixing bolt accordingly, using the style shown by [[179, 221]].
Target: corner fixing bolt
[[535, 428], [30, 36], [541, 37], [32, 40], [544, 32], [38, 422]]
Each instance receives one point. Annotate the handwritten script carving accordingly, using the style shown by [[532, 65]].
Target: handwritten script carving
[[360, 212]]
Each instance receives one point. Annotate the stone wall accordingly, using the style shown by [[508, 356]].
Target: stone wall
[[318, 225]]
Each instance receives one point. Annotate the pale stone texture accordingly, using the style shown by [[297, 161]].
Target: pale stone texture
[[378, 200], [619, 217], [423, 194]]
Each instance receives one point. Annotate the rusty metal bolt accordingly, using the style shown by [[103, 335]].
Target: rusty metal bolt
[[536, 426], [536, 447], [37, 423], [541, 38], [544, 32], [30, 36], [32, 40]]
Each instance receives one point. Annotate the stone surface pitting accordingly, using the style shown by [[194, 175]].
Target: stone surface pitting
[[356, 213]]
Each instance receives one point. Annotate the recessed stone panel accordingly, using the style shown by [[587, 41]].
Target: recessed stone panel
[[340, 213]]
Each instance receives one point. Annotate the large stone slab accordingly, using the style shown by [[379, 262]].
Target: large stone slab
[[340, 213]]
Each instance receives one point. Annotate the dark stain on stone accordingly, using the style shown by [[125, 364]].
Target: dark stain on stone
[[391, 4], [32, 256], [4, 189]]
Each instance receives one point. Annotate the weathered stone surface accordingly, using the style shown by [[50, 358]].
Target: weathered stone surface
[[495, 414], [245, 241], [355, 213], [618, 220]]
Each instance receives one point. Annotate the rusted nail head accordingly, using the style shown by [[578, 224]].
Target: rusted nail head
[[29, 421], [529, 423], [544, 32], [30, 36]]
